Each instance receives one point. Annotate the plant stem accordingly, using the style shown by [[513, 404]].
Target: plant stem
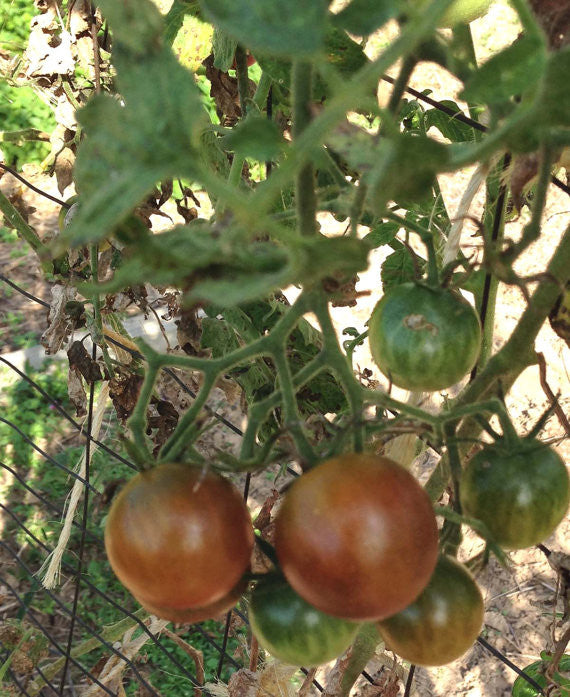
[[242, 79], [354, 92], [16, 221], [494, 222], [98, 336], [305, 196], [339, 364], [291, 417], [509, 362]]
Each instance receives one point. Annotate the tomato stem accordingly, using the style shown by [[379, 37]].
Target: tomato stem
[[305, 197]]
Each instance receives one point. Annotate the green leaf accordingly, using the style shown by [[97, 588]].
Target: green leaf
[[294, 28], [362, 17], [406, 169], [522, 688], [137, 26], [174, 18], [224, 49], [219, 336], [554, 99], [256, 137], [399, 168], [342, 52], [148, 136], [514, 71], [382, 234], [449, 126], [399, 268]]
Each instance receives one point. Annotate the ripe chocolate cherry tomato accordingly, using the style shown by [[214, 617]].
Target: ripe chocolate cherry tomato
[[292, 630], [424, 338], [442, 623], [178, 537], [198, 614], [356, 537], [520, 493]]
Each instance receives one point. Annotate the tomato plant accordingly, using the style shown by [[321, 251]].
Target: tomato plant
[[292, 630], [424, 338], [179, 538], [443, 621], [247, 173], [519, 489], [356, 537]]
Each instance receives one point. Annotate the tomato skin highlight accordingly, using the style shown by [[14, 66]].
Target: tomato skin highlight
[[423, 338], [178, 537], [356, 537], [520, 494], [442, 623], [294, 631]]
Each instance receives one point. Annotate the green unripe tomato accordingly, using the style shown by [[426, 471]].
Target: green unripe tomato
[[423, 338], [461, 11], [442, 623], [521, 493], [294, 631], [464, 11], [66, 214]]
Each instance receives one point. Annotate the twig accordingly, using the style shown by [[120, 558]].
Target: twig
[[96, 54], [253, 653], [307, 683], [194, 654], [551, 396]]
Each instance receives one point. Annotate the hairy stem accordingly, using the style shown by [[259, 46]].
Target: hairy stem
[[305, 197]]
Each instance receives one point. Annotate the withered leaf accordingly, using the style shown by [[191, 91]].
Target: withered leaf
[[124, 391], [76, 392], [164, 423], [64, 169], [264, 516], [60, 324], [243, 683], [82, 362]]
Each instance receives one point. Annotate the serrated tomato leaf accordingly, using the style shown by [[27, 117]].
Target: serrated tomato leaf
[[362, 17], [291, 29]]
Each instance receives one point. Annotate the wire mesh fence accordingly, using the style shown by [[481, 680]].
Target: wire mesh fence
[[53, 642]]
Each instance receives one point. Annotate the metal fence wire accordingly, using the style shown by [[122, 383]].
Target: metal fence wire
[[63, 666]]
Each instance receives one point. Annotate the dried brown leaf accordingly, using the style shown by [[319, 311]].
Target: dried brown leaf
[[81, 361], [76, 392], [243, 683], [60, 325], [263, 518], [124, 391], [64, 169]]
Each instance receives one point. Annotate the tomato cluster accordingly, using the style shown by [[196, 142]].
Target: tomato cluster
[[356, 540]]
